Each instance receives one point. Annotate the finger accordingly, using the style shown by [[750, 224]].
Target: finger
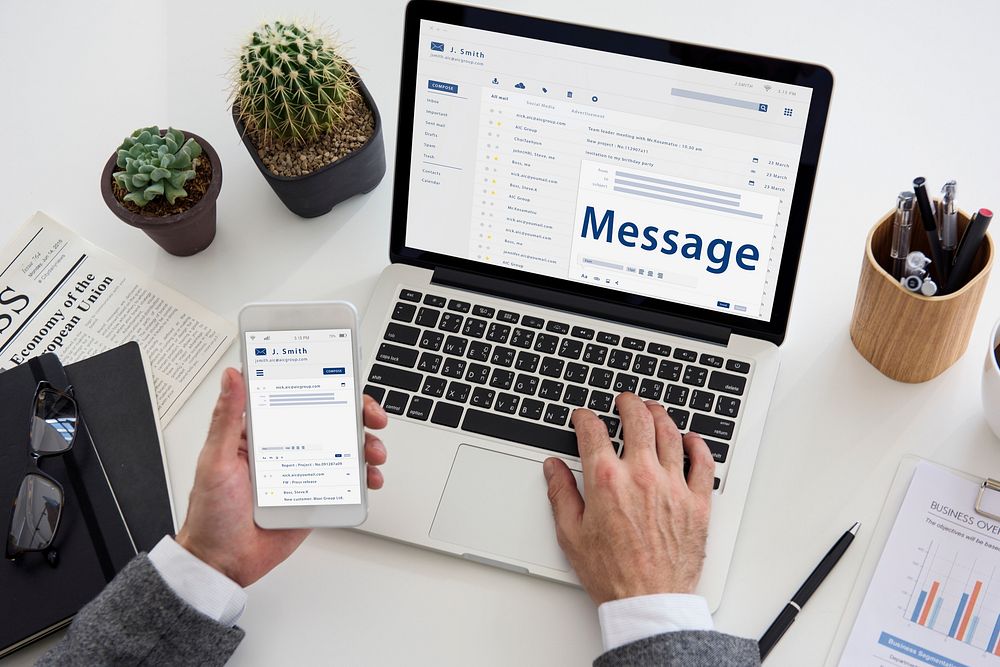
[[669, 448], [225, 434], [591, 438], [375, 416], [375, 453], [701, 477], [567, 504], [375, 478], [637, 428]]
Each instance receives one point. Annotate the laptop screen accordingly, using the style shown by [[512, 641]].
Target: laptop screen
[[635, 175]]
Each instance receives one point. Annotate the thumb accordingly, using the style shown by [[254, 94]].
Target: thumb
[[567, 505], [226, 430]]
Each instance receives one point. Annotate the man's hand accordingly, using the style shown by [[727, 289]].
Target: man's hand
[[643, 527], [219, 528]]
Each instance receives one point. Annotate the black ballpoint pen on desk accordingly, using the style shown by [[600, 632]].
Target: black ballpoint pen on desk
[[928, 221], [806, 590]]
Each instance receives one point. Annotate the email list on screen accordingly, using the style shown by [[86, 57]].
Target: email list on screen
[[636, 175]]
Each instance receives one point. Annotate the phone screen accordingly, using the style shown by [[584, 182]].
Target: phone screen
[[304, 415]]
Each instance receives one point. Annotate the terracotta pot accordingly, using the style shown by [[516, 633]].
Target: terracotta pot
[[316, 193], [180, 234]]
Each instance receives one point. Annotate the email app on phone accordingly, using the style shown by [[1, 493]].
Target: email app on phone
[[303, 409]]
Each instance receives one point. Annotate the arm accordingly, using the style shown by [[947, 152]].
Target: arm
[[638, 543], [179, 605]]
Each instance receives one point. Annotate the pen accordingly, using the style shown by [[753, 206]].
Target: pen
[[927, 218], [948, 227], [794, 606], [968, 248], [902, 226]]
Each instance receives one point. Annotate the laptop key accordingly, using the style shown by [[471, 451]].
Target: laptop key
[[600, 401], [458, 392], [644, 364], [420, 408], [459, 306], [484, 311], [527, 362], [625, 382], [608, 338], [455, 346], [533, 322], [557, 327], [702, 400], [634, 344], [410, 295], [453, 368], [546, 343], [474, 327], [710, 360], [404, 312], [482, 397], [712, 426], [620, 359], [431, 340], [498, 333], [395, 402], [550, 390], [401, 333], [503, 356], [582, 332], [447, 414], [601, 378], [595, 354], [436, 301], [738, 366], [612, 423], [429, 362], [451, 322], [576, 372], [571, 349], [501, 379], [518, 430], [526, 384], [399, 356], [720, 450], [394, 377], [727, 406], [522, 338], [695, 375], [477, 373], [651, 389], [479, 351], [434, 386], [552, 367], [658, 349], [669, 370], [507, 316], [378, 392], [676, 394], [531, 409], [506, 403], [685, 355], [428, 317], [679, 416], [576, 395], [731, 384], [556, 414]]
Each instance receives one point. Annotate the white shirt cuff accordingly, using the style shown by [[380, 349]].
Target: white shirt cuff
[[631, 619], [200, 585]]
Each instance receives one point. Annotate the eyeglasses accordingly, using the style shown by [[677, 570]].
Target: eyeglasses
[[34, 517]]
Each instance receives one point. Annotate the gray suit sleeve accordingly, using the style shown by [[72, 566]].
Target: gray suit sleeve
[[138, 620], [690, 648]]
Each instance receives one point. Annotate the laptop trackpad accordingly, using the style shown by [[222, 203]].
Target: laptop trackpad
[[497, 504]]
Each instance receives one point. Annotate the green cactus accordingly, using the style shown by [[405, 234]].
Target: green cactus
[[156, 166], [291, 85]]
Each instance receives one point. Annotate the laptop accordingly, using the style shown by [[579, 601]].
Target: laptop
[[577, 213]]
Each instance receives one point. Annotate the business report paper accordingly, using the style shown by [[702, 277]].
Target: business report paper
[[934, 598]]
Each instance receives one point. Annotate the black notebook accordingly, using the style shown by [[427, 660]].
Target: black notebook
[[92, 540]]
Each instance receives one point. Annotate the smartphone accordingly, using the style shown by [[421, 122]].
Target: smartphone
[[305, 434]]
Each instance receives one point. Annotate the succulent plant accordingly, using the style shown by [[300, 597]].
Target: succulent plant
[[154, 165], [291, 85]]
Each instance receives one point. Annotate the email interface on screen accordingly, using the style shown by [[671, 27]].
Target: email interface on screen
[[304, 414], [646, 177]]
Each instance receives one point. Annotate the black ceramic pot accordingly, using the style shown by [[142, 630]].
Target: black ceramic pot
[[316, 193]]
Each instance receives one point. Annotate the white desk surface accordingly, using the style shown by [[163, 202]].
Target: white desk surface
[[80, 76]]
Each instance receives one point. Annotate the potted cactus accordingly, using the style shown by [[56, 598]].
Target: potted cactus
[[166, 184], [306, 119]]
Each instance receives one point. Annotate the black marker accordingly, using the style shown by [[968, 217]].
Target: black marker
[[927, 219]]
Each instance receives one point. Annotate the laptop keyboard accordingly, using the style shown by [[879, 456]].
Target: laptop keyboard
[[518, 377]]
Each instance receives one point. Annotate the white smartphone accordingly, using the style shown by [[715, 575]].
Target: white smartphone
[[305, 431]]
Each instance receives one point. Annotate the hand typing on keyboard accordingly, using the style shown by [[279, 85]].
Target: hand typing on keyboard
[[643, 527]]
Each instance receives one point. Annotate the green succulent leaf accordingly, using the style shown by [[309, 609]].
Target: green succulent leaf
[[159, 174], [173, 193], [182, 159], [140, 180], [136, 198], [153, 190]]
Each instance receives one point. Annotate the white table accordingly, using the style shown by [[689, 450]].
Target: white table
[[80, 76]]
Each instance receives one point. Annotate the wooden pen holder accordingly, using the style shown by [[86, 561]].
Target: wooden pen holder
[[907, 336]]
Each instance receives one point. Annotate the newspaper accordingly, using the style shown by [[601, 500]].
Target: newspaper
[[61, 294]]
